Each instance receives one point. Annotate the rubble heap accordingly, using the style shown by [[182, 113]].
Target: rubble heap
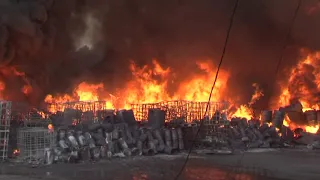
[[270, 131], [116, 136]]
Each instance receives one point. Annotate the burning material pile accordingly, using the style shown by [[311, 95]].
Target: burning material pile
[[272, 130], [116, 136], [255, 133]]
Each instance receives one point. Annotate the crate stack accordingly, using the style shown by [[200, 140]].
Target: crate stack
[[196, 110], [5, 117], [141, 110], [174, 109]]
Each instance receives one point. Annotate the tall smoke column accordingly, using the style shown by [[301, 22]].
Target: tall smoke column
[[91, 35]]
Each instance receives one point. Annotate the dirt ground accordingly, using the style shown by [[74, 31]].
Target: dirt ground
[[253, 165]]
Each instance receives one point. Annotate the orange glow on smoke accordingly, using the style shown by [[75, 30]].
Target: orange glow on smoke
[[149, 84], [305, 95], [245, 111]]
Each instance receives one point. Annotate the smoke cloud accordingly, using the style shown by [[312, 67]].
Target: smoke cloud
[[57, 44]]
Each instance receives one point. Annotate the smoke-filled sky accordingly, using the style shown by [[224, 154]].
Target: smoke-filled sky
[[43, 39]]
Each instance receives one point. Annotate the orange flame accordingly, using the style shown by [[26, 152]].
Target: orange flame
[[149, 84], [246, 111], [298, 87], [50, 128]]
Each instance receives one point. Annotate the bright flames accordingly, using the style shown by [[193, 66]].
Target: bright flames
[[303, 85], [151, 84]]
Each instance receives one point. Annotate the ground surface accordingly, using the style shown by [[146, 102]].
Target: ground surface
[[266, 165]]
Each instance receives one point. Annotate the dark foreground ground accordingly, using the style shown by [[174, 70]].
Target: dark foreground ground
[[254, 165]]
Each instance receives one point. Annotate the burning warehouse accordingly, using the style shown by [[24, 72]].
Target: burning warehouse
[[105, 79]]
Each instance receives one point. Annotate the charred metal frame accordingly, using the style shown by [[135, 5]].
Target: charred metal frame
[[5, 117], [189, 110], [32, 142]]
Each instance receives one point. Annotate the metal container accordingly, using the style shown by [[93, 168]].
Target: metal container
[[152, 146], [157, 135], [103, 151], [318, 116], [62, 143], [167, 136], [278, 119], [266, 116], [108, 137], [135, 152], [81, 139], [175, 141], [156, 118], [168, 150], [115, 134], [123, 144], [180, 139], [140, 146], [129, 137], [95, 153], [254, 123], [62, 134], [48, 156], [311, 117], [73, 141], [148, 152], [244, 123]]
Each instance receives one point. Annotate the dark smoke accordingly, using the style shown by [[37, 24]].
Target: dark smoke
[[37, 37]]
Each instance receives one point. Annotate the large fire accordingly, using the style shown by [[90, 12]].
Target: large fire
[[150, 84]]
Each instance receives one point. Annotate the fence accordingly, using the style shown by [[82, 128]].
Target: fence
[[173, 109], [79, 105], [32, 142], [5, 117], [188, 110]]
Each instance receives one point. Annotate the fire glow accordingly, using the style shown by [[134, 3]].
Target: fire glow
[[149, 84]]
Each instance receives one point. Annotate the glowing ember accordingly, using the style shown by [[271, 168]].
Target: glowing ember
[[312, 129], [16, 152], [50, 127]]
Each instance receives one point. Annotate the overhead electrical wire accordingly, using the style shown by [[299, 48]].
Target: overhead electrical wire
[[214, 83], [289, 33], [285, 45], [217, 73]]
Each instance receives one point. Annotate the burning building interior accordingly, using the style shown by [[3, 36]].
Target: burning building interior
[[84, 80]]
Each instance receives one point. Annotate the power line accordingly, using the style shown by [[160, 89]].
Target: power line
[[214, 83], [289, 33]]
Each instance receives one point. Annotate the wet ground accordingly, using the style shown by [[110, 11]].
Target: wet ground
[[255, 165]]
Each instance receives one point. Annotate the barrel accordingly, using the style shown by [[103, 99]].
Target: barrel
[[318, 116], [278, 119], [266, 116], [311, 117]]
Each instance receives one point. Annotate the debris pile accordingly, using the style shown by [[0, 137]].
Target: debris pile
[[118, 135], [270, 131]]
